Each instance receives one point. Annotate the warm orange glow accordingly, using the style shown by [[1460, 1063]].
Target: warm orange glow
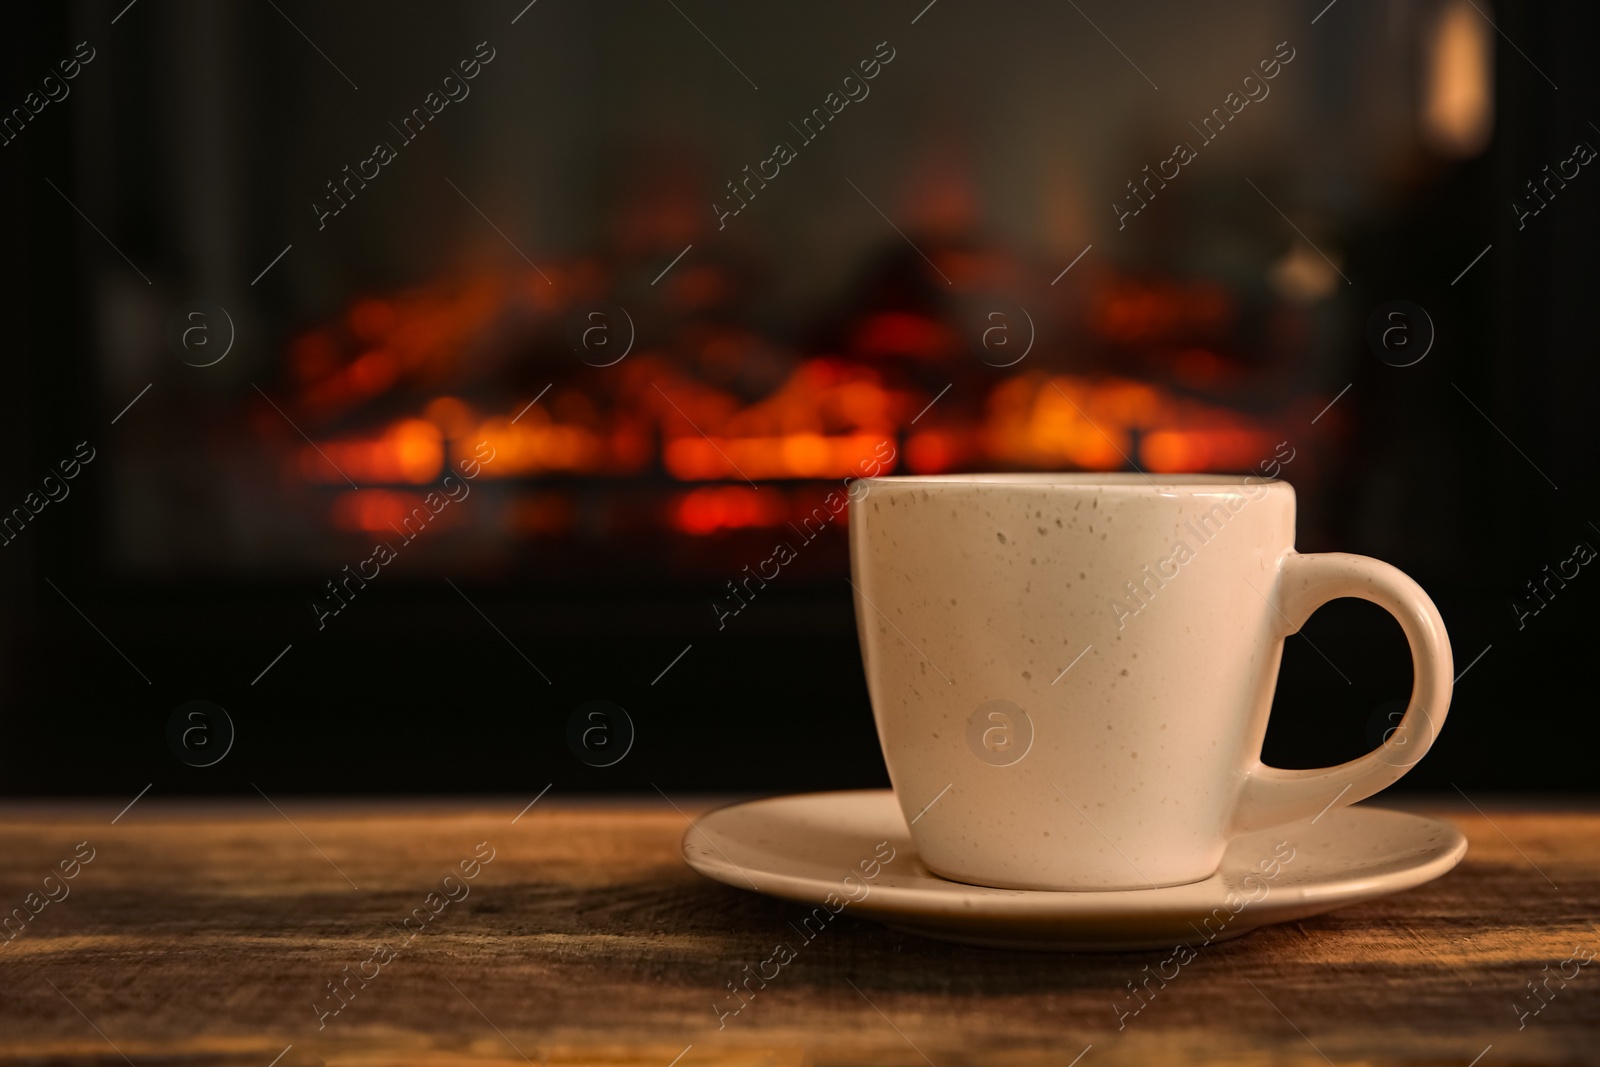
[[372, 510], [535, 444], [1091, 424], [1458, 95], [932, 452], [712, 508], [632, 446], [453, 417], [373, 372], [682, 409], [1033, 421], [1223, 448], [821, 396], [693, 459], [807, 455], [418, 450], [1045, 423], [409, 451], [419, 333]]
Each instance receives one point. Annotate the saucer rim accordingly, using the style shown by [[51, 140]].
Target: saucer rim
[[938, 898]]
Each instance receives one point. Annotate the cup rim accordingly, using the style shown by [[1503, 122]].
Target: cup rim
[[1100, 480]]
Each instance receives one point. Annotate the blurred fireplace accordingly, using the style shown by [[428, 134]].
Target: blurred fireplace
[[660, 391], [700, 428], [938, 284]]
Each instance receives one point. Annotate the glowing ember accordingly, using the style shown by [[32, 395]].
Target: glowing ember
[[411, 450], [685, 413]]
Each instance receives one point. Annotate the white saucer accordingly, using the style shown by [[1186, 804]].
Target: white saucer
[[802, 847]]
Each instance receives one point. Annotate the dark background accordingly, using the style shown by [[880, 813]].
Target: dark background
[[197, 137]]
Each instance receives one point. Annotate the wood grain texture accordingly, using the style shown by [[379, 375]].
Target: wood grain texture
[[206, 933]]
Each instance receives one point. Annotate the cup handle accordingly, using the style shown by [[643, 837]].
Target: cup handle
[[1272, 796]]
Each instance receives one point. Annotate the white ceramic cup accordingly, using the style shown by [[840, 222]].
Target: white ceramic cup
[[1071, 673]]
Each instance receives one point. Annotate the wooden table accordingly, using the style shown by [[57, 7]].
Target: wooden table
[[208, 933]]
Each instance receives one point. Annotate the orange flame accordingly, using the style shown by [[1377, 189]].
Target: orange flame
[[409, 451]]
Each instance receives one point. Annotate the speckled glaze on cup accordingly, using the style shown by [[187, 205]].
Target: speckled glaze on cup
[[1019, 763]]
